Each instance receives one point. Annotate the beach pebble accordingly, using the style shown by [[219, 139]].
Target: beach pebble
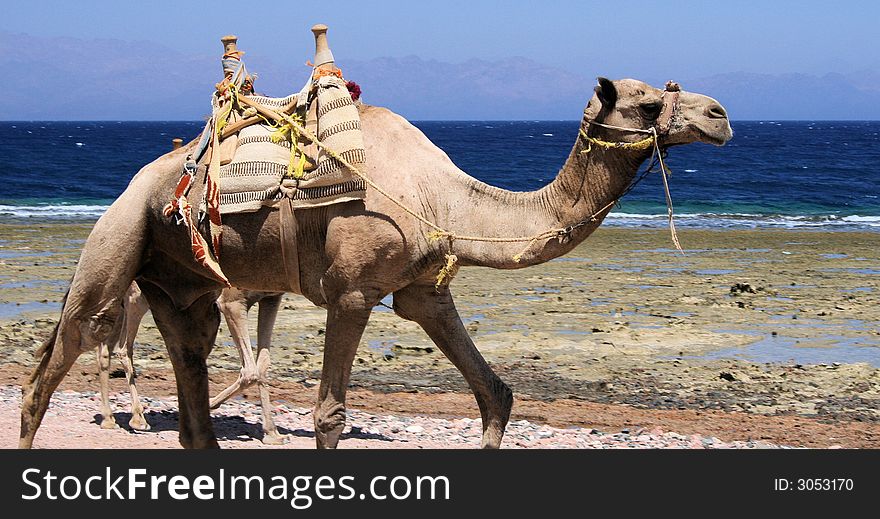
[[242, 420]]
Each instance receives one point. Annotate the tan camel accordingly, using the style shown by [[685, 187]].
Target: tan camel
[[234, 304], [352, 254]]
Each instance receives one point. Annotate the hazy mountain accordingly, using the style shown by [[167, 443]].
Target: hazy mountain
[[78, 79]]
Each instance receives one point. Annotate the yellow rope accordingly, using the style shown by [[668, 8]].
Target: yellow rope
[[638, 145], [449, 270], [227, 108]]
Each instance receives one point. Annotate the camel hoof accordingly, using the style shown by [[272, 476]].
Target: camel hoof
[[109, 423], [275, 438], [139, 424]]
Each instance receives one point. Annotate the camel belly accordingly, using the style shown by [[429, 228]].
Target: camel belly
[[252, 259]]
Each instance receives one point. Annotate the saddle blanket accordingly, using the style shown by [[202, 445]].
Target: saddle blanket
[[253, 178]]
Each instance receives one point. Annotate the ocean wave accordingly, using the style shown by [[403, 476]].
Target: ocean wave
[[59, 211], [707, 220], [745, 221]]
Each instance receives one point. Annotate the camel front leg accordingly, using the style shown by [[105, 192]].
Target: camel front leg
[[189, 336], [435, 312], [135, 308], [345, 326], [102, 352]]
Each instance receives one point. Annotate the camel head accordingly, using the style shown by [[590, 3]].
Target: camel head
[[629, 103]]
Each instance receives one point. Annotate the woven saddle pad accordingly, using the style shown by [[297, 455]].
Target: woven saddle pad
[[253, 177]]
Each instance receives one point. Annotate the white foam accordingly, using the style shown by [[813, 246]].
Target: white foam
[[745, 220], [53, 211]]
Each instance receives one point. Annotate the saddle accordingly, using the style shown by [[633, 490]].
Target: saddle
[[282, 153]]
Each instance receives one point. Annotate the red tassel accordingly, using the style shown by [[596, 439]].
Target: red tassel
[[354, 89]]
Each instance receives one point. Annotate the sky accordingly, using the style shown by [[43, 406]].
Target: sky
[[631, 39]]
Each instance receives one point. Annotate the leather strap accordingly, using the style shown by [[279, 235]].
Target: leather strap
[[289, 249], [670, 107]]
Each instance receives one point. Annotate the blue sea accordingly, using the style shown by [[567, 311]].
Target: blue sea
[[774, 174]]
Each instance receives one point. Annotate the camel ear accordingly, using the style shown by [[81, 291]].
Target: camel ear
[[607, 92]]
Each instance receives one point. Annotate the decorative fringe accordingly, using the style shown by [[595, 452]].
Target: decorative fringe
[[449, 270]]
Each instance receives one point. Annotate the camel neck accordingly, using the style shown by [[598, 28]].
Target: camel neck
[[586, 183]]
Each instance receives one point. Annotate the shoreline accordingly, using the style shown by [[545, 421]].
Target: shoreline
[[747, 322], [73, 214]]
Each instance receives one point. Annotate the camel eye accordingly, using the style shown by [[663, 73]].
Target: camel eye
[[651, 110]]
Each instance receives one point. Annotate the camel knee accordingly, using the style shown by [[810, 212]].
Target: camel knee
[[135, 301], [100, 329], [410, 303]]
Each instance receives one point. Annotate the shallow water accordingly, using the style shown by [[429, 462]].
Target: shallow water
[[817, 350], [8, 310]]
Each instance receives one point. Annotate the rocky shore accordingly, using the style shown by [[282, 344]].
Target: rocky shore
[[771, 325], [70, 420]]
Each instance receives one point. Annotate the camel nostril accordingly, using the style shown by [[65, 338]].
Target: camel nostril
[[716, 111]]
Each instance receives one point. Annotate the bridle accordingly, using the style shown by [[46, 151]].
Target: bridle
[[660, 128]]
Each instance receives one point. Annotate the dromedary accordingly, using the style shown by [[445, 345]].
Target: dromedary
[[353, 254], [234, 304]]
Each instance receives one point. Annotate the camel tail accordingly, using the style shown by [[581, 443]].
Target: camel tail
[[44, 352], [48, 345]]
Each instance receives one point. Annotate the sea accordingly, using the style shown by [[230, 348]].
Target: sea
[[822, 175]]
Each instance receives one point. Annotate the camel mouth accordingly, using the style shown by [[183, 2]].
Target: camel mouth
[[714, 140], [717, 136]]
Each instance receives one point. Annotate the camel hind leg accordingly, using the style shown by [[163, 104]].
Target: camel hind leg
[[435, 312], [91, 311], [135, 307], [108, 421]]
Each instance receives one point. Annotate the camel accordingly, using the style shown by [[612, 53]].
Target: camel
[[353, 254], [234, 304]]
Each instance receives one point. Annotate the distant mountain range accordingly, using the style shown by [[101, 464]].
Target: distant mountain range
[[79, 79]]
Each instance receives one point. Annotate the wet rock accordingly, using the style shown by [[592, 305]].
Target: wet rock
[[741, 288], [728, 376]]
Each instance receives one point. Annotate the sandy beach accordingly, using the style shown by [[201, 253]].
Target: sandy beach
[[751, 334]]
